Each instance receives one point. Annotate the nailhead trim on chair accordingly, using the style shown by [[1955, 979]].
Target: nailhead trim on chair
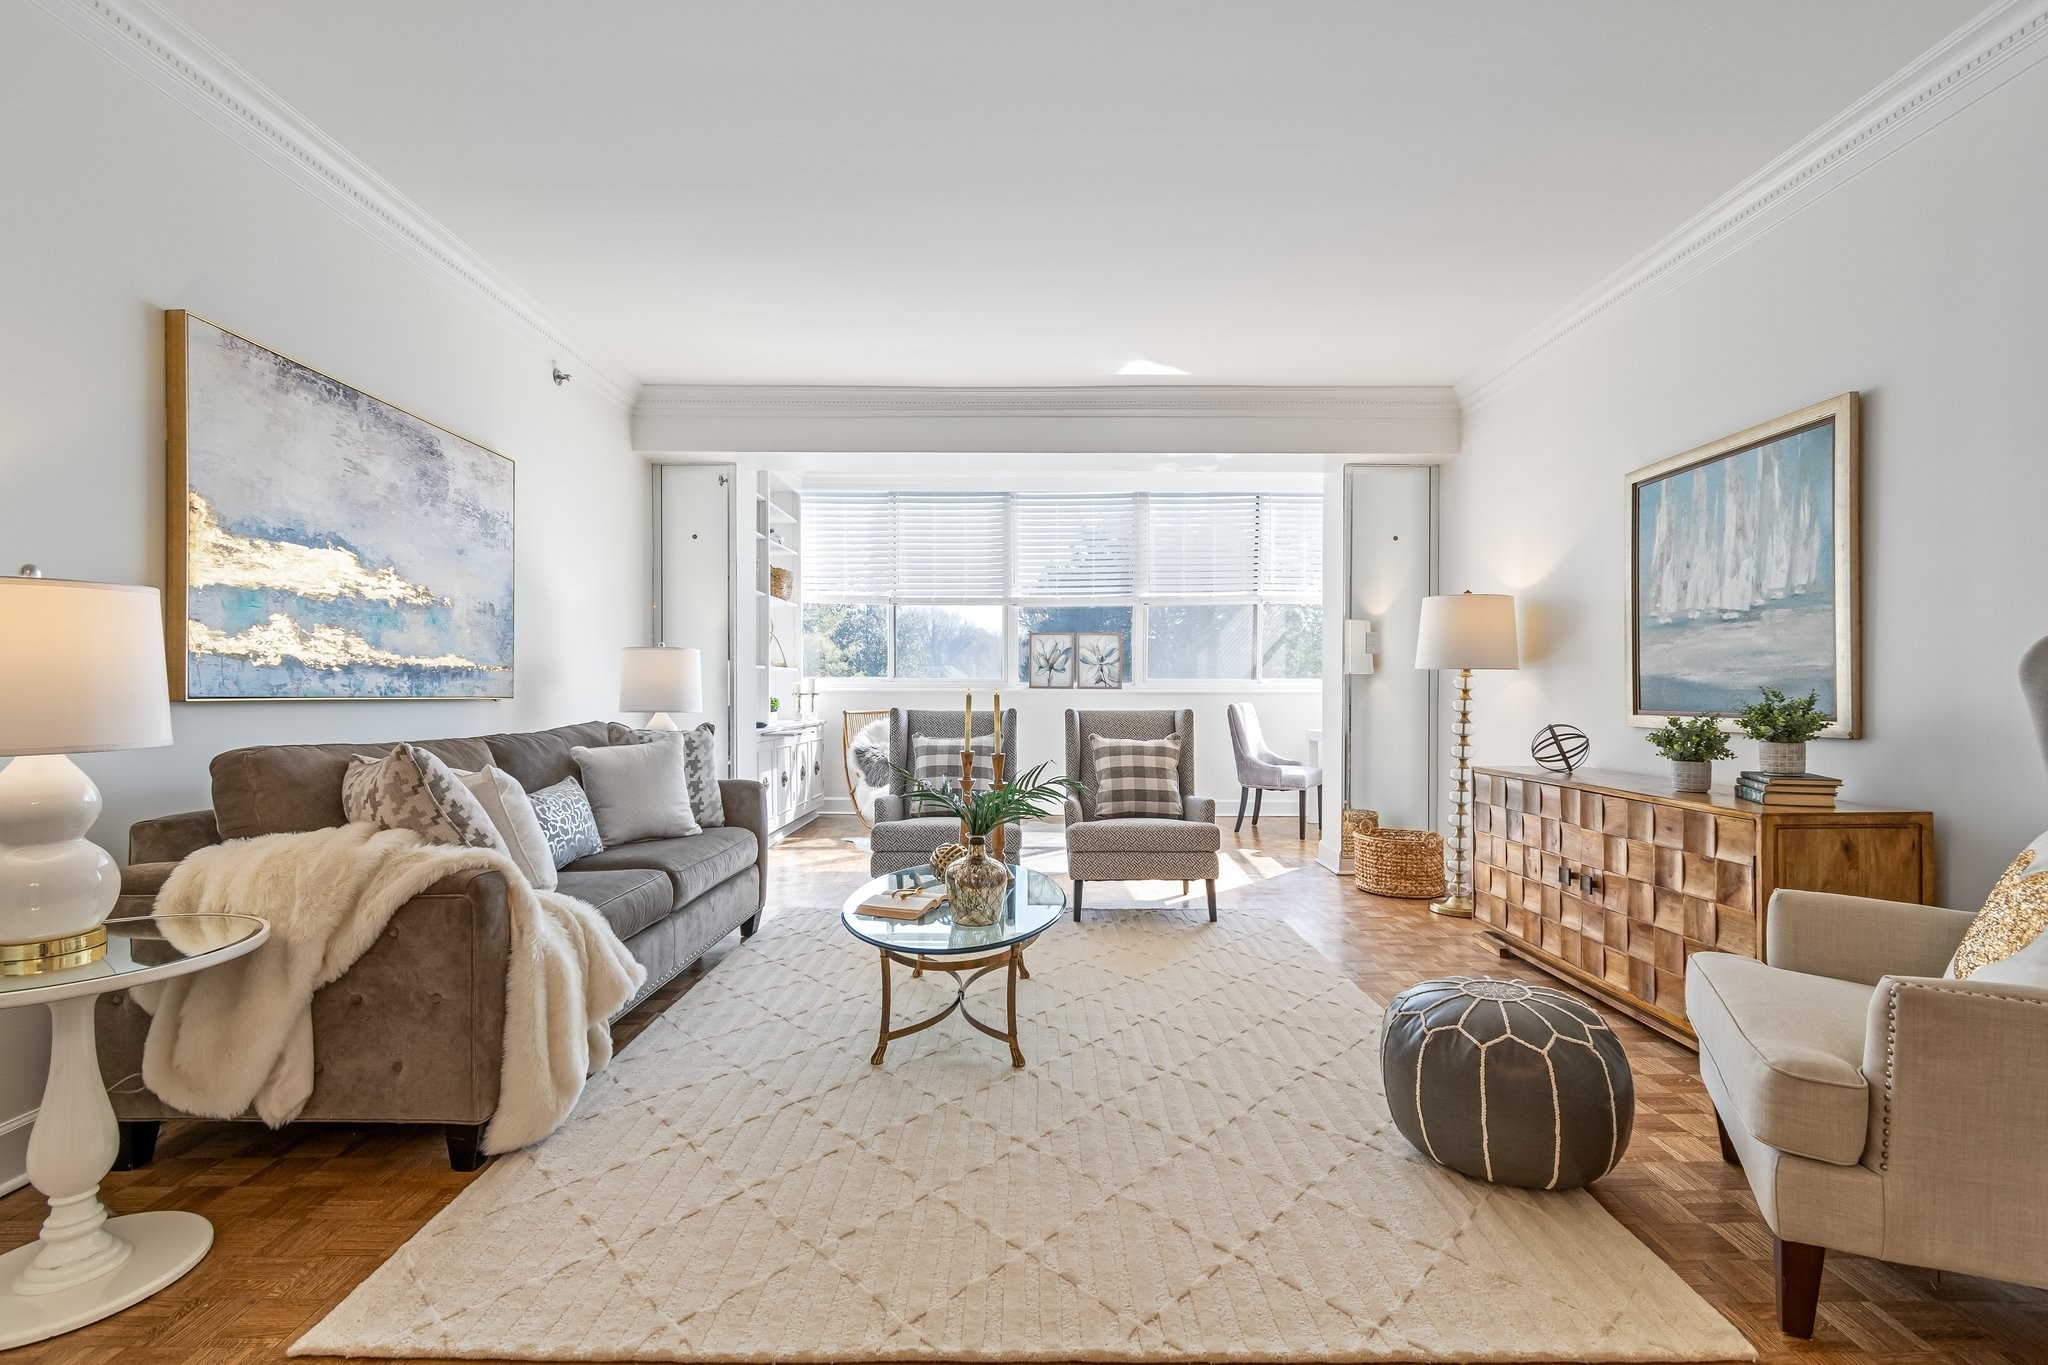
[[1891, 1049]]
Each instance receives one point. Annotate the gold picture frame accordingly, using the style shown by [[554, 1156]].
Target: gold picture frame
[[1748, 549]]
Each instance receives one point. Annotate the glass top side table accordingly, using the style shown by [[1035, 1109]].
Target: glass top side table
[[86, 1265]]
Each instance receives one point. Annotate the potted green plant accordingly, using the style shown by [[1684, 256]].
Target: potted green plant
[[977, 884], [1781, 725], [1692, 746]]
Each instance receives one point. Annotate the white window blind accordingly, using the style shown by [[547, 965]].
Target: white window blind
[[849, 546], [1202, 544], [1290, 545], [951, 546], [1076, 545]]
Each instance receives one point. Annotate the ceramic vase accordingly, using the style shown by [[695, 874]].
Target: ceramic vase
[[1781, 760], [977, 886], [1691, 777]]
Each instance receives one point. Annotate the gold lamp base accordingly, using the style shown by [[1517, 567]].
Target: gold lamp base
[[1452, 907], [53, 955]]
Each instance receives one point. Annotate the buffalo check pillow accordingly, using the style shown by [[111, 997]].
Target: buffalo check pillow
[[1137, 778], [937, 761]]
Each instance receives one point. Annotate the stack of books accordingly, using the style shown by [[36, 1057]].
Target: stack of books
[[1802, 791]]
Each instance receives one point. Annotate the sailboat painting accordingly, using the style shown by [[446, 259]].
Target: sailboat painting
[[1744, 570]]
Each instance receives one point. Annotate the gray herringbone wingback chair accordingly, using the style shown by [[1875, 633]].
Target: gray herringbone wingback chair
[[1261, 770], [902, 838], [1877, 1106], [1130, 850]]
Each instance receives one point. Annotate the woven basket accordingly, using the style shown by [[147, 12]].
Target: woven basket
[[1356, 820], [1404, 863], [781, 583]]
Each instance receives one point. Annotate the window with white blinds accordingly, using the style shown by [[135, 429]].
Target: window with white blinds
[[951, 547], [1290, 545], [849, 542], [1222, 585], [1076, 545]]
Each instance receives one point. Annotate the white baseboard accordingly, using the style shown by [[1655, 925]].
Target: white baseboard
[[14, 1151]]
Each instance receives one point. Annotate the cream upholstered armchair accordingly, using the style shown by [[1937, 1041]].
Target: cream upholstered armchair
[[1184, 849], [1877, 1107]]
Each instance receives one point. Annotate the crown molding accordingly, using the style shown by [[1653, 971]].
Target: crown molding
[[840, 402], [1970, 63], [160, 48]]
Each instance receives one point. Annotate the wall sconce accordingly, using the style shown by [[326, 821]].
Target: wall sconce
[[1361, 644]]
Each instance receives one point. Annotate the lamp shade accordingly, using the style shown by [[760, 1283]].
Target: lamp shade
[[661, 679], [1470, 630], [81, 667]]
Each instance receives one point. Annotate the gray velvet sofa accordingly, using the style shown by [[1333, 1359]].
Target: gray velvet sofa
[[413, 1032]]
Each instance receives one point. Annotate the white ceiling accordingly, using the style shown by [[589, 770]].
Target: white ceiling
[[886, 192]]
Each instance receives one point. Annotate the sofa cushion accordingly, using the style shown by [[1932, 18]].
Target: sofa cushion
[[540, 758], [1789, 1048], [1144, 836], [638, 791], [629, 898], [694, 863], [289, 788]]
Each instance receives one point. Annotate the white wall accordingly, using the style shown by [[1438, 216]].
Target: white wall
[[1921, 283], [1285, 715], [122, 203]]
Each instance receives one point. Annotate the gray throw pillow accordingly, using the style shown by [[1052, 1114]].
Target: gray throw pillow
[[637, 791], [1137, 778], [937, 761], [567, 822], [411, 789], [700, 767]]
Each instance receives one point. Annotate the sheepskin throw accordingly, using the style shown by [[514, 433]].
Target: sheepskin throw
[[240, 1036]]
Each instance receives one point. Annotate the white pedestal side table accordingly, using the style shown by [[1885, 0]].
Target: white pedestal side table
[[86, 1265]]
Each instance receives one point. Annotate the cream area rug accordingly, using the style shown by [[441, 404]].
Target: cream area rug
[[1196, 1164]]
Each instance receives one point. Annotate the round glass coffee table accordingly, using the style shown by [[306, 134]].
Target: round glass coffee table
[[969, 952]]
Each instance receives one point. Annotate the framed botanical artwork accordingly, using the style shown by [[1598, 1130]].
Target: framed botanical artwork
[[1744, 571], [1052, 658], [323, 544], [1098, 659]]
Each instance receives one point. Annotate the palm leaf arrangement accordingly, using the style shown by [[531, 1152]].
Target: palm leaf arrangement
[[1031, 797]]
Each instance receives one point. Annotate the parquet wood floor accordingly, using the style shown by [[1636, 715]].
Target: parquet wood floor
[[304, 1215]]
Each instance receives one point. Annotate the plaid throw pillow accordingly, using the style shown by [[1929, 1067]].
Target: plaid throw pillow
[[1137, 778], [937, 761]]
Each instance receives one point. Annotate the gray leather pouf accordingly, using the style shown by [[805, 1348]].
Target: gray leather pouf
[[1507, 1082]]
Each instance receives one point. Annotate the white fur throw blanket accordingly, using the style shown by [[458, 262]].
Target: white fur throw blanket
[[241, 1034]]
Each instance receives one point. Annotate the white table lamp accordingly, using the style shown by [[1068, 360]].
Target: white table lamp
[[81, 670], [1468, 631], [660, 679]]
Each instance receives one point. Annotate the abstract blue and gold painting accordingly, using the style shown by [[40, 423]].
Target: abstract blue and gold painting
[[1744, 570], [324, 544]]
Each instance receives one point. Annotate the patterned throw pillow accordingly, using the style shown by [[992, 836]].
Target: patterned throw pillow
[[2005, 941], [411, 789], [567, 821], [1137, 778], [937, 761]]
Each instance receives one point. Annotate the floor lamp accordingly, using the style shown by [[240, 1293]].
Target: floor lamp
[[1468, 631]]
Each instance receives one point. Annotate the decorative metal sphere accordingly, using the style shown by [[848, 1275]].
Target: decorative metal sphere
[[945, 855], [1560, 748]]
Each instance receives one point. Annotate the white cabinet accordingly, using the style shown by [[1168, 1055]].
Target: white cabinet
[[791, 764]]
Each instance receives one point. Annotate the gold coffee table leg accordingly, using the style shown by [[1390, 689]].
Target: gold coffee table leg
[[1016, 967], [882, 1045]]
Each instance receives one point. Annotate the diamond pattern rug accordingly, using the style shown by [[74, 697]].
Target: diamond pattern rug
[[1196, 1164]]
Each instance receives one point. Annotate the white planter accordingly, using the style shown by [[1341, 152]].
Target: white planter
[[1781, 760], [1691, 777]]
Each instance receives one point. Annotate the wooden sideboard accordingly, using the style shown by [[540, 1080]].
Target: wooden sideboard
[[1611, 880]]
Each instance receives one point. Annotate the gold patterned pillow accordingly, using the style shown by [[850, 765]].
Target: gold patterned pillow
[[2011, 921]]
